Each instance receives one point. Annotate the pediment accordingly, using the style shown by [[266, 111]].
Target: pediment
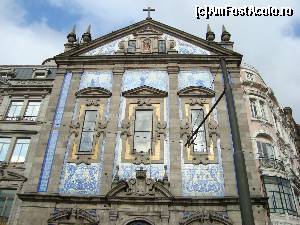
[[210, 217], [92, 92], [145, 91], [140, 186], [6, 175], [184, 43], [196, 91]]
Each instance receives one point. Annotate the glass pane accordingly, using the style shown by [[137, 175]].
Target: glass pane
[[143, 120], [15, 109], [20, 150], [86, 142], [162, 46], [4, 145], [90, 120], [32, 109], [272, 187], [197, 117], [8, 207], [142, 141], [131, 46], [270, 151]]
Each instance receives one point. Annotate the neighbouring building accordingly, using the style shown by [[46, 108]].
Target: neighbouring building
[[97, 134]]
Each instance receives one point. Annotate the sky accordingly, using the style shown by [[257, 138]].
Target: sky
[[34, 30]]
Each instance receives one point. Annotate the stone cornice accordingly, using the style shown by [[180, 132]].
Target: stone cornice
[[156, 59], [182, 201]]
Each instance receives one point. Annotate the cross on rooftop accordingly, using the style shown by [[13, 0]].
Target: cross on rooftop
[[149, 10]]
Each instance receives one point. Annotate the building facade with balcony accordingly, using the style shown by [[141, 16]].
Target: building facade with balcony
[[97, 134], [275, 143]]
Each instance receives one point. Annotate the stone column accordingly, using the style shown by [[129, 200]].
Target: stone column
[[112, 128], [174, 129], [64, 132]]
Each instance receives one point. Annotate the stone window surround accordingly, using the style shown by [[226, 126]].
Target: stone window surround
[[13, 141], [211, 131], [85, 104], [40, 73], [259, 101], [25, 100], [128, 154]]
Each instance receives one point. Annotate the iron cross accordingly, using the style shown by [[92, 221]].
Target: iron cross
[[149, 10]]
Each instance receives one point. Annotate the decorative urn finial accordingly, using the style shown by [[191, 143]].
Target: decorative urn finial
[[87, 37], [72, 35], [225, 37], [210, 36]]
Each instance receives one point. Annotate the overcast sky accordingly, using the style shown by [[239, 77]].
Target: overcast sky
[[33, 30]]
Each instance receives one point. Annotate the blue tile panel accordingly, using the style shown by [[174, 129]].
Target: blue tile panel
[[96, 79], [109, 48], [181, 46], [133, 79], [184, 47], [137, 78], [200, 180], [85, 179], [196, 77], [51, 146]]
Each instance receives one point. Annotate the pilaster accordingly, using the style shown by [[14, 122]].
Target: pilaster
[[112, 127], [174, 129]]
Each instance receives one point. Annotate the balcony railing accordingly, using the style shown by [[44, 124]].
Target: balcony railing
[[271, 163], [3, 220]]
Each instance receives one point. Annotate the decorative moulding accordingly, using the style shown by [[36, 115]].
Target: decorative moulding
[[144, 92]]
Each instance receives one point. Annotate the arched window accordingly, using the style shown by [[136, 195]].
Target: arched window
[[138, 222]]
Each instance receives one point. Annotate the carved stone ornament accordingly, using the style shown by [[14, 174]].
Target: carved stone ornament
[[74, 216], [75, 128], [142, 102], [206, 217], [161, 130], [125, 128], [194, 101], [94, 102], [101, 128], [140, 186], [141, 158]]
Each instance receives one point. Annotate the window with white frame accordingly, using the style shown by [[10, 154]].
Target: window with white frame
[[265, 150], [254, 110], [4, 147], [199, 143], [143, 123], [20, 150], [23, 110], [258, 109], [14, 112], [32, 110], [87, 134]]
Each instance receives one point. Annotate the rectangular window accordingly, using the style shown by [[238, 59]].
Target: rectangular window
[[280, 195], [6, 202], [253, 108], [20, 150], [87, 134], [32, 110], [265, 150], [162, 46], [197, 116], [263, 110], [14, 112], [143, 131], [131, 46], [4, 145]]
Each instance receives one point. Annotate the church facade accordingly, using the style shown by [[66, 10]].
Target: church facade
[[99, 133]]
